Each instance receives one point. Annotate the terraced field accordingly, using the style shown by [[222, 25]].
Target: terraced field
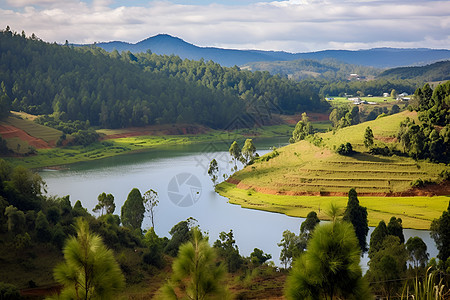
[[302, 171]]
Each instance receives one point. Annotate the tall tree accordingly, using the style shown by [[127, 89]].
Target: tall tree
[[291, 247], [307, 228], [329, 269], [133, 210], [357, 215], [228, 250], [368, 137], [213, 170], [195, 272], [417, 250], [235, 153], [395, 228], [377, 237], [440, 232], [248, 151], [89, 270], [151, 201], [301, 130], [387, 266], [105, 203]]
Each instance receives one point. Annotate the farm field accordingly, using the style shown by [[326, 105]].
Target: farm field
[[304, 177]]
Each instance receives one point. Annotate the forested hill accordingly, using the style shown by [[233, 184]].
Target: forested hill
[[121, 89], [379, 57], [434, 72], [328, 69]]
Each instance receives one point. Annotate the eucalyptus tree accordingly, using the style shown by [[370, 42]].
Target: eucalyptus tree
[[248, 151], [151, 201], [213, 170], [235, 153], [105, 203]]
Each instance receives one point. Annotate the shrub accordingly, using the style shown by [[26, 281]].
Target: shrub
[[345, 149]]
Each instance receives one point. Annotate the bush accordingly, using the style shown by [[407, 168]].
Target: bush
[[9, 291], [345, 149]]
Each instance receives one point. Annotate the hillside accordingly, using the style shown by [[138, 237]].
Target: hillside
[[328, 69], [380, 57], [302, 174], [113, 90], [434, 72]]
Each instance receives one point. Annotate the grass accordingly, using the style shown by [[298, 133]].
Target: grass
[[296, 181], [415, 212], [38, 131], [68, 155]]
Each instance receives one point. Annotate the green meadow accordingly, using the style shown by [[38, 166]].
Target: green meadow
[[416, 212], [304, 177]]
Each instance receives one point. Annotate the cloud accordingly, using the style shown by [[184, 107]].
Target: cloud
[[294, 25]]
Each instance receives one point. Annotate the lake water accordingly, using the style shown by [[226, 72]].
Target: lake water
[[179, 175]]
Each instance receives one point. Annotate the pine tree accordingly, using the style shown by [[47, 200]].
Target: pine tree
[[89, 270]]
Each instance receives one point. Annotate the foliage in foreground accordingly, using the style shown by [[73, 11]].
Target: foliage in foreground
[[330, 266], [195, 273], [90, 270]]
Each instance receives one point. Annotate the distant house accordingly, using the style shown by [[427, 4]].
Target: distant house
[[403, 95], [354, 99], [386, 94]]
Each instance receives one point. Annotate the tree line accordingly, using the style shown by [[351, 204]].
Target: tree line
[[114, 90]]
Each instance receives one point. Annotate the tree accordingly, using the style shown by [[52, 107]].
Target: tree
[[307, 228], [290, 248], [258, 257], [345, 149], [235, 153], [395, 228], [228, 250], [377, 237], [440, 232], [43, 228], [105, 202], [368, 137], [329, 268], [181, 233], [133, 210], [388, 265], [151, 201], [394, 94], [154, 254], [357, 215], [195, 272], [302, 129], [89, 270], [16, 219], [213, 170], [248, 151], [417, 250]]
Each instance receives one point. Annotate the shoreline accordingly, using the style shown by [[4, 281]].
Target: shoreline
[[413, 210]]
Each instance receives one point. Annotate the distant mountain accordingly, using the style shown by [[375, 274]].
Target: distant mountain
[[379, 57], [328, 68], [434, 72]]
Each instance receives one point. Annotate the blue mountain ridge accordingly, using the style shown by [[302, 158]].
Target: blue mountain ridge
[[377, 57]]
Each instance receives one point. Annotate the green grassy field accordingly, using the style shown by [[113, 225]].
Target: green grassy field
[[68, 155], [415, 212], [38, 131], [303, 174]]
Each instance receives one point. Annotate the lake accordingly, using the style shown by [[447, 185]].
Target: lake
[[179, 175]]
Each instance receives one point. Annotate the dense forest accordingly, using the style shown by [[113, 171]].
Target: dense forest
[[327, 68], [434, 72], [115, 90]]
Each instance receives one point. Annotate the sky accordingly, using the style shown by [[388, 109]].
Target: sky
[[288, 25]]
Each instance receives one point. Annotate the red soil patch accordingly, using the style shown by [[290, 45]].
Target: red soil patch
[[8, 131], [386, 139]]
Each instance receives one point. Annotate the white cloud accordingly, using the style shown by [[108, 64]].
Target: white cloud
[[294, 25]]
